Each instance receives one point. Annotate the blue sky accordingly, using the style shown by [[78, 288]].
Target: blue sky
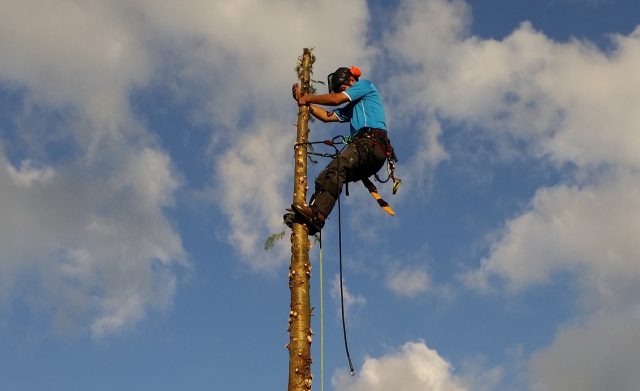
[[146, 154]]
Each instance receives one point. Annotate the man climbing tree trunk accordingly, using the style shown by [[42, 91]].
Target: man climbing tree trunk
[[300, 337]]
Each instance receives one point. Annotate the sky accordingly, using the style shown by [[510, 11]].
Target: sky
[[146, 153]]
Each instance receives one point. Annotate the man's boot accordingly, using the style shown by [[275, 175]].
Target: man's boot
[[314, 218]]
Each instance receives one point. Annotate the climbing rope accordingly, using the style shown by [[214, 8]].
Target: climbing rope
[[344, 326], [344, 329], [338, 140], [321, 319]]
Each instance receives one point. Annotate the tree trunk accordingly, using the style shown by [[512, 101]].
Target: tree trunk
[[300, 334]]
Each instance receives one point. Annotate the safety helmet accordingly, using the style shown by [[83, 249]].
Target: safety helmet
[[338, 78]]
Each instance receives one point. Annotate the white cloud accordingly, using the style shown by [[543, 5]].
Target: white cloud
[[588, 230], [570, 100], [92, 241], [85, 56], [571, 103], [414, 367], [599, 353], [26, 175], [99, 212], [251, 173], [351, 301], [479, 377], [408, 281], [86, 228]]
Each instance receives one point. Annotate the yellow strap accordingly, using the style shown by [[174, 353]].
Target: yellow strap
[[374, 193], [383, 204]]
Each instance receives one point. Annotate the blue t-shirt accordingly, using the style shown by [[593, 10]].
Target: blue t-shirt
[[365, 108]]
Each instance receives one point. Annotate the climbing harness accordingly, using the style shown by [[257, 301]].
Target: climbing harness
[[391, 171], [338, 140], [374, 136], [379, 138]]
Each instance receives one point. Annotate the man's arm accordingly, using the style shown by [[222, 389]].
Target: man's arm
[[322, 114], [332, 99]]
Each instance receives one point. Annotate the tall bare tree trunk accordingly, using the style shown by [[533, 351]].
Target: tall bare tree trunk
[[300, 336]]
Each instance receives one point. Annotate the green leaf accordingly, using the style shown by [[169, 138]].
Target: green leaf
[[272, 239]]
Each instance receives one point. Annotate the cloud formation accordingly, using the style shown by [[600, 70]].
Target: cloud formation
[[84, 185], [572, 104], [600, 353], [586, 230], [92, 189], [414, 367], [351, 301], [571, 101], [408, 282]]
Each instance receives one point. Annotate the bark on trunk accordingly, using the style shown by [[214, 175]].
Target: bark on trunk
[[300, 334]]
